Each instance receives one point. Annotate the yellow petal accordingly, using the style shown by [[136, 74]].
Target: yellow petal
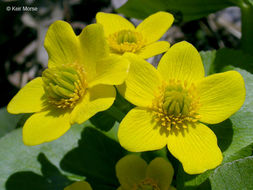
[[154, 26], [153, 49], [93, 47], [161, 171], [96, 99], [79, 185], [141, 83], [111, 70], [130, 170], [61, 44], [113, 23], [29, 99], [172, 188], [182, 62], [45, 126], [196, 148], [139, 132], [221, 95]]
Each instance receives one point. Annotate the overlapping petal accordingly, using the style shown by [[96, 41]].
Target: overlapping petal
[[160, 171], [130, 170], [142, 82], [181, 62], [111, 70], [139, 132], [93, 47], [113, 23], [29, 99], [79, 185], [153, 49], [196, 148], [61, 44], [155, 26], [96, 99], [45, 126], [221, 95]]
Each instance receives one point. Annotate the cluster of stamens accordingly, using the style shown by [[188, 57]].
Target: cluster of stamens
[[64, 85], [176, 104], [126, 41], [146, 184]]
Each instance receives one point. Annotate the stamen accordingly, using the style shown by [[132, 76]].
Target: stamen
[[176, 103], [146, 184], [64, 85], [126, 41]]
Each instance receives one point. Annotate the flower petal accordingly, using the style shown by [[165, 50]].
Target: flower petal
[[181, 62], [130, 170], [141, 83], [79, 185], [45, 126], [29, 99], [139, 132], [161, 171], [93, 47], [113, 23], [196, 148], [96, 99], [111, 70], [221, 95], [172, 188], [155, 26], [153, 49], [61, 44]]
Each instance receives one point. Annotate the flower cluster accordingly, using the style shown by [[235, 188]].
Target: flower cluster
[[174, 101]]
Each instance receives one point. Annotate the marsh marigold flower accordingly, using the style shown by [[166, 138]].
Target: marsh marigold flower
[[135, 174], [122, 36], [76, 85], [173, 103], [79, 185]]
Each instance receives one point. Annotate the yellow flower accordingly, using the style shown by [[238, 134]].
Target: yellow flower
[[76, 85], [122, 35], [173, 101], [135, 174], [79, 185]]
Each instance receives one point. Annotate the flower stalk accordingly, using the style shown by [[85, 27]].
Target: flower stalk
[[247, 27]]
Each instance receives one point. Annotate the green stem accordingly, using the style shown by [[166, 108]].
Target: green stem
[[247, 27], [116, 113]]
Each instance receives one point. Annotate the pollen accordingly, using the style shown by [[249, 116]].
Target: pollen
[[146, 184], [126, 41], [64, 85], [176, 104]]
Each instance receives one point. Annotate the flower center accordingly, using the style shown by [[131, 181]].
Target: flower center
[[176, 104], [147, 184], [64, 85], [126, 41]]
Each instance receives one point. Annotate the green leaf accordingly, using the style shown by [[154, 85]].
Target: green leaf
[[190, 10], [234, 175], [208, 58], [95, 158], [236, 58], [8, 121], [22, 167]]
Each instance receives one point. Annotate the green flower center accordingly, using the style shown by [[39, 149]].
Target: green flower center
[[126, 41], [147, 184], [64, 85], [176, 104]]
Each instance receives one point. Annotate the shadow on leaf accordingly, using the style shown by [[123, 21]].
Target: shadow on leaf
[[95, 158], [51, 178]]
